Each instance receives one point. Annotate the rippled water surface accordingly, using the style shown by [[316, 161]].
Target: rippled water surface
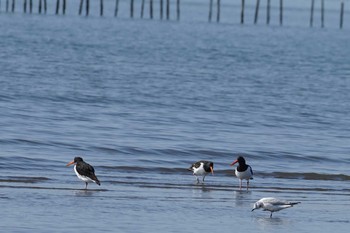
[[141, 100]]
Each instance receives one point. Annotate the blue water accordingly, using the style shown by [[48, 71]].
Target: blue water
[[141, 100]]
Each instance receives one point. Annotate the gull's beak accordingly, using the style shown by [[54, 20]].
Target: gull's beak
[[255, 207], [212, 170], [70, 163], [236, 161]]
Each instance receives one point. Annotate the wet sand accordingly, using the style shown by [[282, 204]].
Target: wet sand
[[166, 207]]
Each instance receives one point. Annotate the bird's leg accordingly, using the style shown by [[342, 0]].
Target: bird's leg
[[247, 185], [203, 179], [197, 179], [271, 215], [86, 184], [240, 184]]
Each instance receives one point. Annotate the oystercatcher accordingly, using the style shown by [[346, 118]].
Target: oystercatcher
[[202, 168], [273, 204], [243, 171], [84, 171]]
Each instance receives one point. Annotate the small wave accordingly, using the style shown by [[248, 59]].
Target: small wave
[[214, 154], [107, 150], [306, 176], [338, 221], [169, 152], [22, 179], [17, 141], [230, 172], [137, 169], [20, 163], [52, 188]]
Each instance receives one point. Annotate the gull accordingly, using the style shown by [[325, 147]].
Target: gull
[[272, 204]]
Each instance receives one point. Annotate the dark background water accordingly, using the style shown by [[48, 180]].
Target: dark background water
[[141, 100]]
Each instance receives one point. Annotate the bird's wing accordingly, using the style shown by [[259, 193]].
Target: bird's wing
[[251, 170], [85, 169], [276, 202], [279, 203], [294, 203], [197, 164], [272, 201]]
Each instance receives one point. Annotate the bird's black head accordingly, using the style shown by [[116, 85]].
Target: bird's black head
[[209, 167], [240, 160], [78, 159]]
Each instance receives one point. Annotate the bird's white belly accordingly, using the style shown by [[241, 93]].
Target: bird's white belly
[[246, 175], [199, 171], [81, 177]]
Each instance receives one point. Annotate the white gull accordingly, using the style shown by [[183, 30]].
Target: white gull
[[273, 204]]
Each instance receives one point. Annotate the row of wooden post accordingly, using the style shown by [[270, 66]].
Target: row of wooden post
[[268, 7], [43, 4], [116, 10], [161, 2], [322, 13], [242, 11], [28, 4]]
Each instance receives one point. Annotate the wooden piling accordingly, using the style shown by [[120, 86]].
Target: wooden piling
[[45, 6], [30, 6], [167, 9], [64, 7], [210, 10], [312, 13], [101, 7], [40, 6], [116, 8], [142, 8], [87, 7], [7, 5], [151, 9], [256, 11], [268, 12], [217, 11], [242, 12], [13, 6], [322, 13], [341, 15], [161, 9], [57, 6], [131, 8], [177, 10], [25, 6], [281, 12], [81, 6]]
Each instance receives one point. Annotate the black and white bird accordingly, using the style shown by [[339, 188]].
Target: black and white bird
[[84, 171], [202, 168], [243, 171], [273, 204]]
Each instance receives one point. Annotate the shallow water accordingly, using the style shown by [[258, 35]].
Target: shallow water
[[142, 100]]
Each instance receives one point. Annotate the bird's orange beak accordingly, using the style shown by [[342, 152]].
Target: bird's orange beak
[[234, 162], [70, 163], [212, 170]]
